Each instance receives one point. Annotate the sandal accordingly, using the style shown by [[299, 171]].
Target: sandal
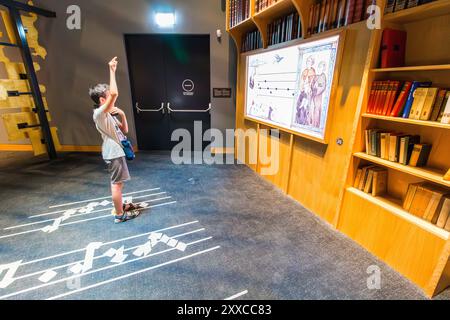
[[127, 216]]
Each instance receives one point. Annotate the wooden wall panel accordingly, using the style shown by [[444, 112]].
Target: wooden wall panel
[[406, 247], [318, 172]]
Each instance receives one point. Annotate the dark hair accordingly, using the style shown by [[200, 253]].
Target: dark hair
[[98, 91]]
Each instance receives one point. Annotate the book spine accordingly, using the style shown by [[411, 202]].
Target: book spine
[[358, 11], [389, 6], [349, 12], [410, 100]]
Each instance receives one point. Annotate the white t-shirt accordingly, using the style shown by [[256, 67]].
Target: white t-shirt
[[109, 128]]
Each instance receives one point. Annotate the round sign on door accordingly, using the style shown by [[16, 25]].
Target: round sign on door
[[188, 87]]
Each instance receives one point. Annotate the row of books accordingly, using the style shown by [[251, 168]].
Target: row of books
[[251, 41], [239, 11], [397, 5], [262, 4], [412, 99], [284, 29], [330, 14], [372, 180], [397, 147], [429, 202]]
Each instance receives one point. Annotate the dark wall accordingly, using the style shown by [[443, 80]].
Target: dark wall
[[77, 59]]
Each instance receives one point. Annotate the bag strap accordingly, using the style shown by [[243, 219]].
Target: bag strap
[[106, 134]]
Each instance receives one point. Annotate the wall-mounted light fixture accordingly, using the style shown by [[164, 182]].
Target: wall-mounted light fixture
[[165, 19]]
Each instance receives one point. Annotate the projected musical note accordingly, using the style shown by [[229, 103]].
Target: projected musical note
[[117, 256], [88, 259], [68, 214], [143, 250], [47, 276], [11, 270], [53, 227], [154, 237]]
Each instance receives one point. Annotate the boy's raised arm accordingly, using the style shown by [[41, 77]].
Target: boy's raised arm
[[113, 91]]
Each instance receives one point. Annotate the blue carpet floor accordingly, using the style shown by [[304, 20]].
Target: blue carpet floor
[[212, 232]]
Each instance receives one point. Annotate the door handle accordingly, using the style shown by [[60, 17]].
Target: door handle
[[139, 110], [188, 111]]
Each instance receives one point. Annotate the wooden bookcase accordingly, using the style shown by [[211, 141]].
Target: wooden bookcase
[[260, 20], [414, 247]]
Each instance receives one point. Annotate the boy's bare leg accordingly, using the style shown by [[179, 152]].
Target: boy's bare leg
[[116, 190]]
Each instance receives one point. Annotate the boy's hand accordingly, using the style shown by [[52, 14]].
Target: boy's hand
[[113, 64], [117, 111]]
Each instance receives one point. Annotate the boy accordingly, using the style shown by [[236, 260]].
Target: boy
[[112, 131]]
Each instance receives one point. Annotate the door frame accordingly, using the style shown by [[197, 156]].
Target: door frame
[[131, 78]]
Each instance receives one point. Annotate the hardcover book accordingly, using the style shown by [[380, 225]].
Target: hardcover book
[[446, 113], [410, 100], [420, 95], [438, 104], [393, 48], [429, 103]]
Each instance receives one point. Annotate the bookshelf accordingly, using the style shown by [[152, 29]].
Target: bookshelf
[[440, 67], [414, 247], [425, 11], [433, 124], [429, 174], [260, 20], [321, 176], [393, 205]]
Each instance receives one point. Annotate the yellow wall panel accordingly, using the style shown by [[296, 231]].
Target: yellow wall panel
[[36, 141], [11, 121]]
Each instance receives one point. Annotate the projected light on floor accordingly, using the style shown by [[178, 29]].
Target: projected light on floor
[[165, 19]]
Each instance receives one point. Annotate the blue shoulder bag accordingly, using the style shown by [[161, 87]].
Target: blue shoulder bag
[[128, 149]]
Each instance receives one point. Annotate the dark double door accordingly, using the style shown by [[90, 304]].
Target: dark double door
[[170, 84]]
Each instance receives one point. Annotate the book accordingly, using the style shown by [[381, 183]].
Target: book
[[358, 12], [384, 141], [447, 176], [410, 100], [446, 113], [436, 212], [429, 103], [364, 175], [420, 201], [316, 18], [358, 178], [412, 189], [326, 16], [323, 7], [390, 99], [389, 6], [382, 97], [334, 14], [394, 146], [397, 109], [447, 225], [420, 95], [438, 104], [420, 155], [393, 48], [366, 12], [380, 182], [311, 19], [444, 213], [340, 19], [406, 148], [400, 5], [369, 181], [412, 3], [444, 104], [349, 12]]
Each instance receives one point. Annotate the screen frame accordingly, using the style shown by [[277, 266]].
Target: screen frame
[[339, 54]]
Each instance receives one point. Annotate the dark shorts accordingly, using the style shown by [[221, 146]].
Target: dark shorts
[[118, 169]]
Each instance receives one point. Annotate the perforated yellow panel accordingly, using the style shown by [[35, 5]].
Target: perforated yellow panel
[[22, 106]]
